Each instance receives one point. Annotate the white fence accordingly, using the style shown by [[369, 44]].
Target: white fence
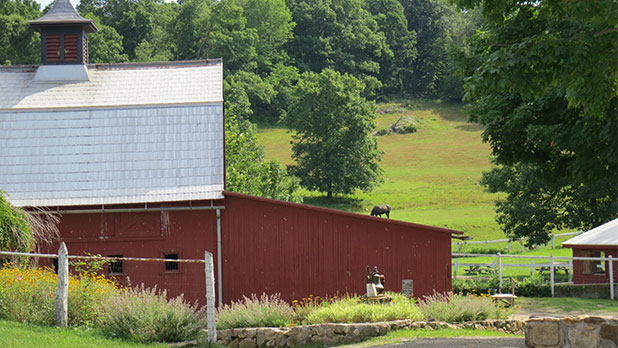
[[62, 292], [552, 265], [521, 241]]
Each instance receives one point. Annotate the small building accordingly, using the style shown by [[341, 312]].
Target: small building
[[132, 158], [601, 241]]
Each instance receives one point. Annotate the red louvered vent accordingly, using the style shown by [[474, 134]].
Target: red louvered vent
[[70, 48], [53, 48], [85, 51]]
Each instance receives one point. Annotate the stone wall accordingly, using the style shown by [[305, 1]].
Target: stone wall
[[576, 332], [331, 334]]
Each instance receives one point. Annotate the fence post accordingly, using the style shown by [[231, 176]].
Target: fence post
[[457, 246], [570, 271], [531, 268], [456, 266], [211, 322], [509, 248], [500, 271], [553, 240], [62, 291], [611, 277], [485, 245], [551, 273], [521, 244]]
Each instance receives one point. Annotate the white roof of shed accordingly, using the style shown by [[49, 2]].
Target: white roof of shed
[[134, 133], [606, 234]]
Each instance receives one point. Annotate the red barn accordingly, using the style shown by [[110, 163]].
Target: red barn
[[601, 241], [132, 157]]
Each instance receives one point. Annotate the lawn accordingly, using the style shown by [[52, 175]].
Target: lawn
[[16, 335], [568, 306], [400, 336], [430, 177]]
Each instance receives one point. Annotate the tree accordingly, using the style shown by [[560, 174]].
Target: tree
[[105, 46], [542, 80], [331, 143], [19, 44], [336, 34], [247, 170]]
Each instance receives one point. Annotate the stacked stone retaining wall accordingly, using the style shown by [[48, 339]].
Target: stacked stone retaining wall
[[332, 334], [575, 332]]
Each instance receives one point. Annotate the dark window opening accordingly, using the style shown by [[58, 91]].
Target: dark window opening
[[55, 265], [115, 266], [171, 266], [593, 266]]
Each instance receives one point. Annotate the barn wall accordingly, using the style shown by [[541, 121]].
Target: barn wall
[[147, 235], [602, 278], [277, 247]]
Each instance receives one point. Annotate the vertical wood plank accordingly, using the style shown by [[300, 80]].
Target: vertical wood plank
[[211, 321]]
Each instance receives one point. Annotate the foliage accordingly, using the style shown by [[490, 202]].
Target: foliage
[[105, 46], [19, 44], [28, 296], [331, 143], [352, 310], [265, 311], [535, 286], [542, 80], [475, 286], [145, 315], [459, 308], [15, 230]]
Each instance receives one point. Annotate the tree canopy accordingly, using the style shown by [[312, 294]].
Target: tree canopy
[[542, 80], [331, 144]]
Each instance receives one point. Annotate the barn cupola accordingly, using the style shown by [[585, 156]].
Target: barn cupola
[[64, 40]]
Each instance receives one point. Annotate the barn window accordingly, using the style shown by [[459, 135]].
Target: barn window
[[593, 266], [115, 266], [62, 48], [53, 48], [70, 48], [171, 266]]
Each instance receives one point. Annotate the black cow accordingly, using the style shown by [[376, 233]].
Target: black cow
[[378, 210]]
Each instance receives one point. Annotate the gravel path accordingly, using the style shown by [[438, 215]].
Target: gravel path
[[461, 342]]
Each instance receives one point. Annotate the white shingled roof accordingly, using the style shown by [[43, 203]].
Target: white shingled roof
[[134, 133], [606, 234]]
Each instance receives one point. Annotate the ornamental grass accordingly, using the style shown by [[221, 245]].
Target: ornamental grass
[[263, 311], [457, 308]]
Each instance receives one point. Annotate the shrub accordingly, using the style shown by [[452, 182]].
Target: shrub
[[145, 315], [265, 311], [28, 295], [408, 128], [352, 310], [533, 287], [475, 286], [459, 308]]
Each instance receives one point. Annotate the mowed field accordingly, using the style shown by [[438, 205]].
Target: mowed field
[[430, 177]]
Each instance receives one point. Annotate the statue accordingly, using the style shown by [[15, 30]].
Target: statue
[[374, 280]]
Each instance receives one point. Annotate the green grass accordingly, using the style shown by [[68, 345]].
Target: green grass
[[568, 305], [430, 177], [400, 336], [16, 335]]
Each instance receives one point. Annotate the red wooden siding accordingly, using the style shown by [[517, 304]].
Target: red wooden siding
[[598, 278], [277, 247]]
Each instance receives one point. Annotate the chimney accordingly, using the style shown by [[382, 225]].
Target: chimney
[[64, 42]]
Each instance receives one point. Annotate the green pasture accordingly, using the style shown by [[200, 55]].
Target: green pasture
[[430, 177]]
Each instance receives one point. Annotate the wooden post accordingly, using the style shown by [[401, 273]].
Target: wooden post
[[500, 271], [531, 268], [611, 277], [211, 321], [521, 244], [456, 266], [551, 273], [553, 241], [486, 246], [62, 291], [457, 246], [509, 247], [570, 271]]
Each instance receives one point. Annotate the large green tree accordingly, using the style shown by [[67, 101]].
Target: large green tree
[[542, 80], [331, 121], [19, 44]]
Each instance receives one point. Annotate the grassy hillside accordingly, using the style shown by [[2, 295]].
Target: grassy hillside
[[430, 177]]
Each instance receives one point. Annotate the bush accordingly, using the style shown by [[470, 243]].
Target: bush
[[408, 128], [475, 286], [145, 315], [266, 311], [460, 308], [28, 296], [352, 310], [533, 287]]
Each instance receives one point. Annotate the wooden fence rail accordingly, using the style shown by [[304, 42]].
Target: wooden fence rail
[[552, 266], [521, 241]]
